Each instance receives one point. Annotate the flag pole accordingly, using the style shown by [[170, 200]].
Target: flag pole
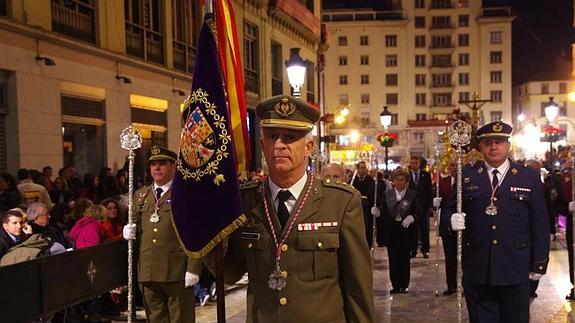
[[131, 140], [220, 286]]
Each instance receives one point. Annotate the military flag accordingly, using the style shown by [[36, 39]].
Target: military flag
[[206, 202]]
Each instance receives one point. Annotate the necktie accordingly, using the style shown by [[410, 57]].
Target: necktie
[[495, 179], [283, 213], [159, 192]]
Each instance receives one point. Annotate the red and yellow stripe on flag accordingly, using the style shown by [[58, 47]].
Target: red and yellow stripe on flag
[[230, 60]]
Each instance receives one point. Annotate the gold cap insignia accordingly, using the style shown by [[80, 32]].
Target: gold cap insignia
[[514, 171], [285, 108], [155, 150], [497, 127]]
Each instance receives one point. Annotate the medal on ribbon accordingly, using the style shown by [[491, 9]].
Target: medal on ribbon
[[155, 217]]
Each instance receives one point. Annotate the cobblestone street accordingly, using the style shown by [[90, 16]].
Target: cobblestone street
[[421, 304]]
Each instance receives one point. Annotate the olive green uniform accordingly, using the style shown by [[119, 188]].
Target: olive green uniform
[[325, 257], [162, 262]]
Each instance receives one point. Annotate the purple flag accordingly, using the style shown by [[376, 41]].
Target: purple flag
[[206, 204]]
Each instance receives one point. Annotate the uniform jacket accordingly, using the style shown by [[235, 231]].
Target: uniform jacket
[[424, 190], [161, 258], [366, 187], [6, 242], [325, 257], [503, 249], [407, 206]]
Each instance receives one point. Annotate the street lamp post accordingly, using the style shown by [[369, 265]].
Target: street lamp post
[[385, 119], [551, 113], [296, 68]]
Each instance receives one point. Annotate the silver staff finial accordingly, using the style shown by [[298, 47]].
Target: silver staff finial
[[438, 148], [460, 133], [131, 138]]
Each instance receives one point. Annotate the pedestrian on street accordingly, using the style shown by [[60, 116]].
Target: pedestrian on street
[[366, 186], [401, 209], [506, 231], [303, 244], [420, 181], [165, 273]]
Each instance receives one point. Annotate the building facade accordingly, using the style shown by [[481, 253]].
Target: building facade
[[74, 73], [529, 102], [420, 58]]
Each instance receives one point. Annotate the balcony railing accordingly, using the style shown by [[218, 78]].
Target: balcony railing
[[442, 85], [442, 65], [74, 18], [3, 7], [364, 16], [442, 26], [184, 56], [145, 44], [496, 12], [441, 4], [277, 86], [251, 81]]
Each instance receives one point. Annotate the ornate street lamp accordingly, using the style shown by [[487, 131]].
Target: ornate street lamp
[[385, 119], [296, 68]]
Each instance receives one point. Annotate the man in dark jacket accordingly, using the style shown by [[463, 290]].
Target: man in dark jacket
[[12, 232], [366, 186], [420, 181]]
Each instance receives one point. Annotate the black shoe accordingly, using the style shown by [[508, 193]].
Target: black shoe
[[426, 255], [395, 291], [449, 292]]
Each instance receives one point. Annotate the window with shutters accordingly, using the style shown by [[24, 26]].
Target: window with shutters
[[144, 30], [342, 40], [363, 40], [391, 79], [390, 60], [343, 60], [251, 58], [391, 41]]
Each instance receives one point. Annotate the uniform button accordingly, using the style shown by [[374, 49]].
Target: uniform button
[[284, 247], [284, 273], [520, 198], [494, 241], [320, 245], [540, 267], [283, 301], [155, 229], [493, 227], [154, 240], [250, 245]]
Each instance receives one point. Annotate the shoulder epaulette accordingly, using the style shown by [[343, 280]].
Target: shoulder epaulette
[[251, 184], [338, 184]]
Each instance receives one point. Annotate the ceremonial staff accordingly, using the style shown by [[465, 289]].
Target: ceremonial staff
[[438, 148], [131, 140], [571, 295], [459, 136]]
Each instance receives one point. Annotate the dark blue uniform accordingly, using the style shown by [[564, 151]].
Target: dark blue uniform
[[499, 251]]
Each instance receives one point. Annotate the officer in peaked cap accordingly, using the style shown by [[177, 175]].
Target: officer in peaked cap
[[165, 273], [505, 230], [309, 219]]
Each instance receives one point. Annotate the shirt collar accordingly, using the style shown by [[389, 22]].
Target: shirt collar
[[13, 237], [295, 189], [399, 194], [164, 187], [502, 169]]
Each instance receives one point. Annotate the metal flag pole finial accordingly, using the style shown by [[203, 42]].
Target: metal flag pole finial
[[438, 149], [130, 139], [459, 136]]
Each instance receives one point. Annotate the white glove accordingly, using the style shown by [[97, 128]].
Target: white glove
[[129, 232], [571, 206], [458, 221], [191, 279], [436, 202], [375, 211], [407, 221], [535, 276]]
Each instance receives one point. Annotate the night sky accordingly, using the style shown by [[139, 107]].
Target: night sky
[[542, 35]]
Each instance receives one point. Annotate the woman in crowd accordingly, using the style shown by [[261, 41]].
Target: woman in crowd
[[113, 224], [90, 188], [87, 232], [10, 197], [59, 193], [400, 210]]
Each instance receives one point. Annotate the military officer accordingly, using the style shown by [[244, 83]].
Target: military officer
[[303, 245], [506, 231], [164, 271]]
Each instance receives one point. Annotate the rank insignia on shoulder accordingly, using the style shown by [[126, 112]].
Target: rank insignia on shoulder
[[514, 171], [315, 226]]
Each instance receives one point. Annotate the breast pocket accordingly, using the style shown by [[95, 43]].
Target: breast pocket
[[256, 247], [317, 255], [521, 201]]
